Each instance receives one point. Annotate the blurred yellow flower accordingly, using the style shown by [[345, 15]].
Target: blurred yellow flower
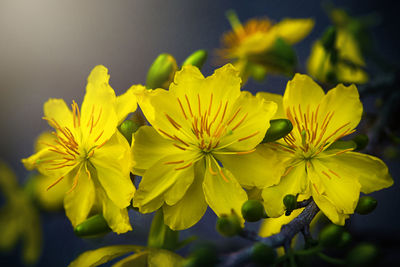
[[202, 146], [19, 219], [333, 177], [252, 47], [89, 153]]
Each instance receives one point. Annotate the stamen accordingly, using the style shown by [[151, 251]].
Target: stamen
[[179, 146], [183, 111], [188, 103], [102, 144], [334, 173], [198, 98], [75, 182], [62, 166], [316, 188], [56, 182], [240, 122], [344, 151], [211, 170], [209, 107], [174, 162], [247, 137], [287, 171], [223, 114], [170, 136], [173, 122], [98, 118], [180, 140], [223, 175], [234, 116], [184, 167], [98, 137], [327, 175]]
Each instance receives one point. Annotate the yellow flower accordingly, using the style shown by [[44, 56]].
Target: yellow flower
[[202, 146], [333, 177], [248, 45], [143, 256], [347, 63], [19, 219], [89, 153]]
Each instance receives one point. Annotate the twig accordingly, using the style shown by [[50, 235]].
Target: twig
[[288, 231]]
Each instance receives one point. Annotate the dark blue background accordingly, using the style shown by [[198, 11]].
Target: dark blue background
[[48, 48]]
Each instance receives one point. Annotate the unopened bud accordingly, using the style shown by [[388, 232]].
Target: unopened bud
[[328, 38], [263, 254], [229, 225], [361, 140], [161, 72], [278, 129], [331, 235], [95, 225], [345, 239], [253, 210], [342, 145], [127, 128], [197, 58], [290, 202], [363, 255], [366, 205]]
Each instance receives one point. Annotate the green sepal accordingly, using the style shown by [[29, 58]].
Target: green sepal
[[364, 255], [278, 129], [342, 145], [93, 226], [263, 254], [366, 204], [328, 39], [253, 210], [197, 58], [290, 202], [161, 72], [127, 128], [160, 235], [331, 235], [361, 141], [229, 225]]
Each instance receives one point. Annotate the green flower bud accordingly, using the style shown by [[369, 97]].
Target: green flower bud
[[197, 58], [203, 255], [345, 239], [161, 72], [361, 140], [263, 254], [127, 128], [253, 210], [363, 255], [290, 202], [278, 128], [95, 225], [366, 205], [229, 225], [331, 235], [342, 145], [328, 38]]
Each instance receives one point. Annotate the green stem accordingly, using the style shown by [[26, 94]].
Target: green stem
[[331, 260]]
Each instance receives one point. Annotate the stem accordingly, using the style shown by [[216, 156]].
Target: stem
[[331, 260], [288, 231]]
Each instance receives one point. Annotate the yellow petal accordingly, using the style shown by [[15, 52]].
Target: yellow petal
[[332, 180], [187, 81], [329, 209], [117, 218], [127, 102], [43, 139], [8, 180], [293, 30], [165, 258], [247, 123], [278, 99], [345, 105], [32, 236], [189, 210], [349, 74], [302, 91], [98, 113], [260, 168], [273, 226], [348, 47], [113, 164], [168, 180], [137, 260], [53, 198], [57, 109], [318, 64], [102, 255], [222, 191], [148, 147], [78, 202], [294, 182], [372, 173]]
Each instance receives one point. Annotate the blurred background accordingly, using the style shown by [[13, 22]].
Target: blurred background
[[47, 49]]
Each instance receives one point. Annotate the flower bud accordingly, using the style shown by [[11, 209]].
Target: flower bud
[[197, 58], [331, 235], [342, 145], [127, 128], [161, 72], [95, 225], [253, 210], [263, 254], [328, 39], [361, 140], [290, 202], [229, 225], [278, 128], [345, 239], [366, 205], [363, 255], [203, 255]]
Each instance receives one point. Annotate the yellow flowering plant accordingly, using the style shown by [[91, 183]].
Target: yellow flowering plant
[[332, 175], [201, 129], [90, 153]]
